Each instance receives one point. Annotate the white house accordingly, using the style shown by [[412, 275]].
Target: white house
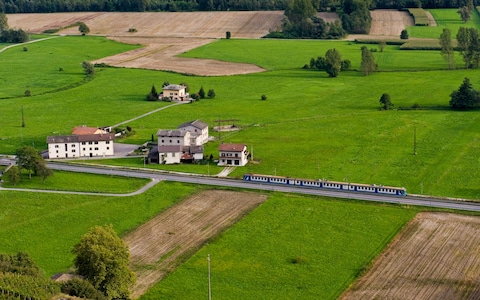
[[175, 92], [232, 155], [198, 131], [83, 145], [182, 144]]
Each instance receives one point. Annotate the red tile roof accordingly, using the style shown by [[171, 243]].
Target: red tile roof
[[232, 147]]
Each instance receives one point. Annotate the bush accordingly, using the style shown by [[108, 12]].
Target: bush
[[28, 93], [228, 34], [132, 30], [25, 49], [263, 97], [81, 288], [211, 94], [404, 35]]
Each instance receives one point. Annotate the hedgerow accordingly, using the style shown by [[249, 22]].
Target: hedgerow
[[419, 15]]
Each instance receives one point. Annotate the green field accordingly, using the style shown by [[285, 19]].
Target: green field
[[291, 247], [311, 126]]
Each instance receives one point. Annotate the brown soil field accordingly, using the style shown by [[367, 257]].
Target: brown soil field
[[158, 246], [436, 256], [390, 22]]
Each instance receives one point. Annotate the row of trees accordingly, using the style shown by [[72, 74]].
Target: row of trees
[[468, 43], [332, 63], [47, 6]]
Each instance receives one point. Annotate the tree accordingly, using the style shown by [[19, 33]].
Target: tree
[[211, 93], [228, 35], [42, 170], [447, 48], [299, 10], [334, 61], [404, 35], [465, 97], [88, 68], [153, 95], [201, 93], [468, 42], [28, 159], [464, 13], [385, 101], [3, 22], [83, 28], [13, 175], [102, 258], [368, 64], [20, 263], [382, 45]]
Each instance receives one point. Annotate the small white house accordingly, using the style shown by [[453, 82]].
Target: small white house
[[175, 154], [198, 131], [175, 92], [84, 145], [232, 155]]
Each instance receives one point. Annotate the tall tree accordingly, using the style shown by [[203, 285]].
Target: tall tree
[[464, 13], [299, 10], [28, 158], [468, 40], [13, 175], [368, 64], [465, 97], [102, 258], [88, 68], [386, 101], [3, 22], [447, 48], [42, 170], [333, 62], [83, 28]]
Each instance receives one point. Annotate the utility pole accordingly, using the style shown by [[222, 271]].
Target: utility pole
[[209, 284], [415, 140], [23, 119]]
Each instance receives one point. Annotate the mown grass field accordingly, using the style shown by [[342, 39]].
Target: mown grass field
[[311, 126], [291, 247]]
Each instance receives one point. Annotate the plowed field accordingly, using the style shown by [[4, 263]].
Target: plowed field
[[437, 256], [157, 245]]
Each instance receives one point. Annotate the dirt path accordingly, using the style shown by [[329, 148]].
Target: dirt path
[[157, 246], [437, 256]]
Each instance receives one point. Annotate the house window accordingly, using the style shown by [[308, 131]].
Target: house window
[[96, 148], [173, 154], [170, 141], [57, 152], [96, 143], [56, 146], [89, 143], [162, 141], [83, 143], [72, 145], [73, 150], [237, 162], [83, 149], [236, 154], [107, 142], [108, 148], [178, 142]]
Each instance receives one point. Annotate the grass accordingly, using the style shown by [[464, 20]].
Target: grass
[[291, 247], [47, 226], [80, 182], [445, 18], [311, 126]]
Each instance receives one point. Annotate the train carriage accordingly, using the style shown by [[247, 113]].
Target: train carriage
[[326, 184]]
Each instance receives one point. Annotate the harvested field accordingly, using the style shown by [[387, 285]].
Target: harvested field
[[158, 246], [437, 256], [389, 22], [247, 24]]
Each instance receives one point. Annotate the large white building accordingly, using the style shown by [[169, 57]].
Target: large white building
[[182, 144], [84, 145]]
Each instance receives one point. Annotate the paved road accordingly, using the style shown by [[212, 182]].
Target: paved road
[[206, 180]]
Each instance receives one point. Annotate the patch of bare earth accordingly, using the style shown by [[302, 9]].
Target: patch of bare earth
[[158, 246], [437, 256], [387, 23]]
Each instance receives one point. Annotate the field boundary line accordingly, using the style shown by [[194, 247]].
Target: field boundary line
[[148, 113], [146, 187]]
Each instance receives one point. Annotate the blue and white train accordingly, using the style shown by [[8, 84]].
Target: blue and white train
[[327, 184]]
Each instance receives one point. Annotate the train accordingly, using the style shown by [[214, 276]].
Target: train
[[327, 184]]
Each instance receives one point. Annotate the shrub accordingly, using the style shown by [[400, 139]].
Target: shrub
[[132, 30], [25, 49], [211, 94], [28, 93], [228, 34], [81, 288], [404, 35], [263, 97]]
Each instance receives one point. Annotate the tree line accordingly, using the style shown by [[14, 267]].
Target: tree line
[[8, 35], [49, 6]]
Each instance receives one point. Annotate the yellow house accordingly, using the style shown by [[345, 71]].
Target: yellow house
[[175, 92]]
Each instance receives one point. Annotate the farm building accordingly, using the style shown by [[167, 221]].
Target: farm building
[[80, 145], [175, 92], [232, 155]]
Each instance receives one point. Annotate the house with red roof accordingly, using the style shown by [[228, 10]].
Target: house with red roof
[[232, 155]]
